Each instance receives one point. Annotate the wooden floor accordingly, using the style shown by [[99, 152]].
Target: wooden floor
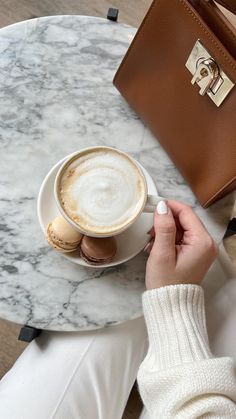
[[131, 12]]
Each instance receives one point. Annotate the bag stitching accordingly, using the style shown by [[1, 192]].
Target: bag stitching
[[228, 7], [140, 34], [232, 35], [208, 34], [143, 25]]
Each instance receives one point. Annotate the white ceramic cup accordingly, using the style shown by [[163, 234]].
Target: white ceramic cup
[[149, 202]]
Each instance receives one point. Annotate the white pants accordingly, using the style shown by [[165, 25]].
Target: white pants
[[89, 375]]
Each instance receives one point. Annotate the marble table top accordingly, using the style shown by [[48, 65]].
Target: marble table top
[[56, 96]]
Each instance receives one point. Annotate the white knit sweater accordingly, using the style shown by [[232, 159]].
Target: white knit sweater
[[180, 378]]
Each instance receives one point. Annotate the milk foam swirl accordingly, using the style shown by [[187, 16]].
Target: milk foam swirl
[[102, 190]]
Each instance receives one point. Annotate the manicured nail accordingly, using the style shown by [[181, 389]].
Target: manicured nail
[[146, 247], [162, 208]]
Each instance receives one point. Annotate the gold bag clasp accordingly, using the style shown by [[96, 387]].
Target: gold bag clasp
[[208, 75]]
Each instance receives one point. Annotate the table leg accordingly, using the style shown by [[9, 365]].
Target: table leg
[[112, 14], [28, 333]]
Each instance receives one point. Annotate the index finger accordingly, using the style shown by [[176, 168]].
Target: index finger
[[189, 221]]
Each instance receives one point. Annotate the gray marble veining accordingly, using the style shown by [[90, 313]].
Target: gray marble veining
[[56, 96]]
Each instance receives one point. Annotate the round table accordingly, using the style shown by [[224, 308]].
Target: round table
[[56, 96]]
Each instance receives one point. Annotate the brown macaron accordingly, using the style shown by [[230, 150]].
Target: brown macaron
[[62, 236], [96, 251]]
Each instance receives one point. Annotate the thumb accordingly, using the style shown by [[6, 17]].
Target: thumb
[[165, 232]]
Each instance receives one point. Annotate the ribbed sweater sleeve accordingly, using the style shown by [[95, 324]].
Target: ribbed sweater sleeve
[[180, 377]]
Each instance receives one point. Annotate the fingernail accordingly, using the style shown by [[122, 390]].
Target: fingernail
[[162, 208], [147, 247]]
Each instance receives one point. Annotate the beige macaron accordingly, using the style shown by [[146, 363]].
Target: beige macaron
[[62, 236]]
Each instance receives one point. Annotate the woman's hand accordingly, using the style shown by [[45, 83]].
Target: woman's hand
[[181, 250]]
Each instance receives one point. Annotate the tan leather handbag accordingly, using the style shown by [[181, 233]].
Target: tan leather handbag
[[179, 75]]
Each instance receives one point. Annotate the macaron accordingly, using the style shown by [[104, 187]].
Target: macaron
[[62, 236], [96, 251]]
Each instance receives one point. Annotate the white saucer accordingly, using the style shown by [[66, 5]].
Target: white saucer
[[129, 243]]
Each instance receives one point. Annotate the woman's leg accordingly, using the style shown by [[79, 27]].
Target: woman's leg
[[220, 298], [86, 375]]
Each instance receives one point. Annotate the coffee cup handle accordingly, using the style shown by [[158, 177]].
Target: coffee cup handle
[[151, 203]]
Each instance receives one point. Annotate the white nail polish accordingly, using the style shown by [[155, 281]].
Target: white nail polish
[[162, 208]]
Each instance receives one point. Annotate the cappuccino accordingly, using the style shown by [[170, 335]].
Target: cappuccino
[[102, 190]]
